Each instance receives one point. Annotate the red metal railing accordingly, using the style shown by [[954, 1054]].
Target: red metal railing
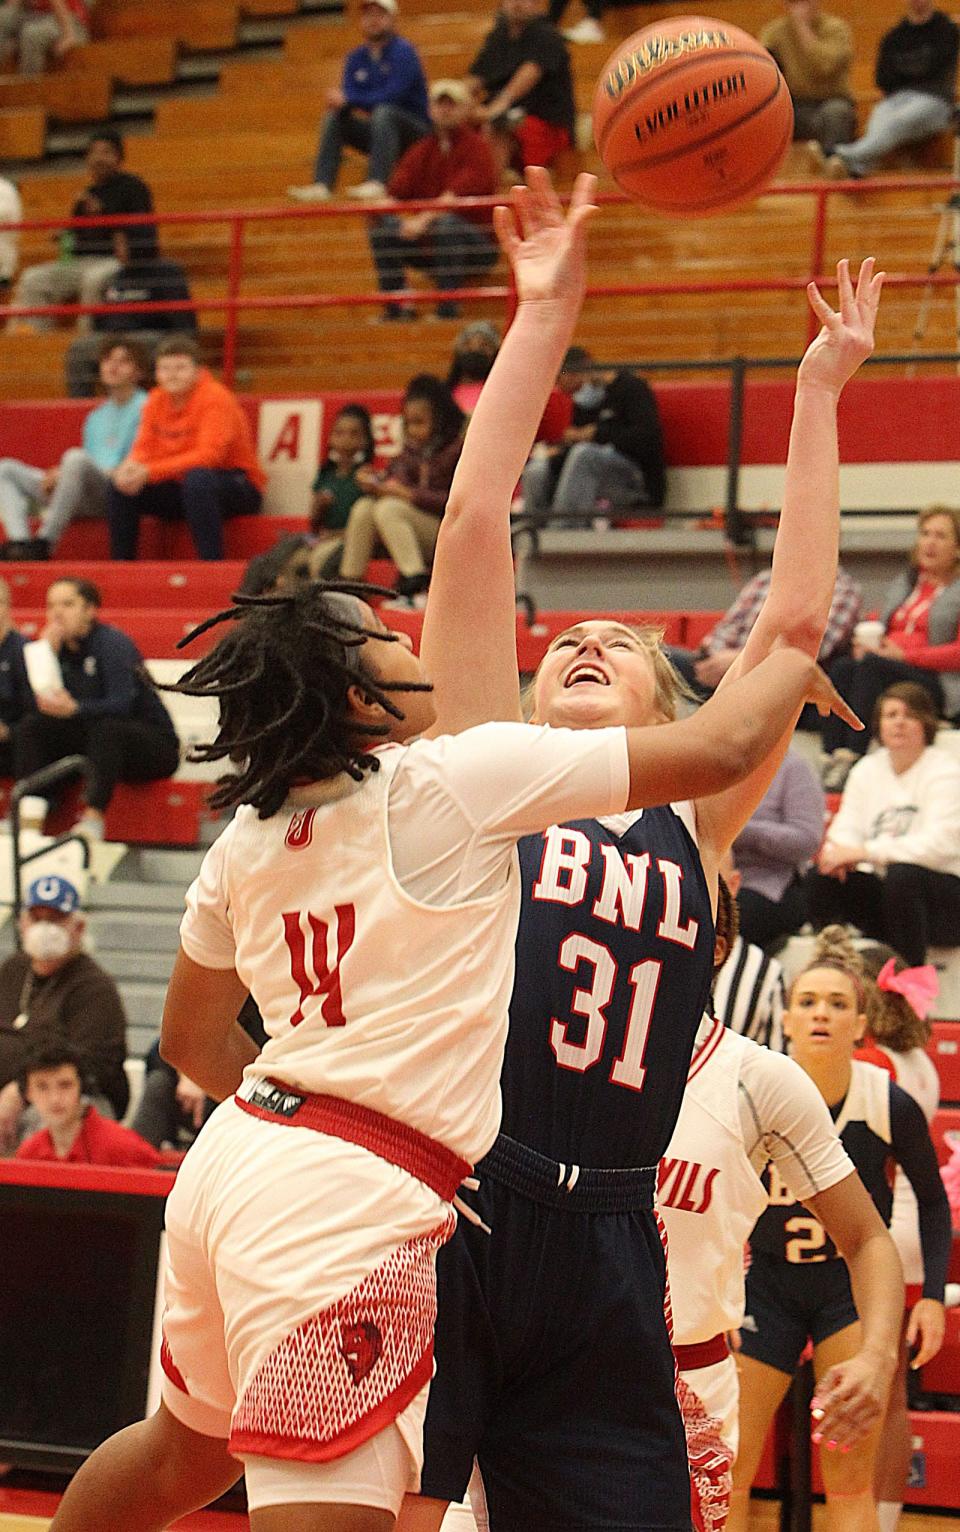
[[238, 222]]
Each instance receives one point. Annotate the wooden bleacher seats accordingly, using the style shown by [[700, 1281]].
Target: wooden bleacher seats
[[77, 97], [22, 133]]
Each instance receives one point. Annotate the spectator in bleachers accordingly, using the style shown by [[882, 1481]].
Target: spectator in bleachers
[[71, 1129], [337, 487], [703, 669], [144, 277], [611, 457], [521, 76], [917, 73], [920, 641], [106, 709], [774, 848], [87, 261], [590, 28], [41, 30], [193, 457], [403, 507], [814, 51], [53, 992], [474, 353], [79, 484], [16, 697], [11, 211], [456, 245], [172, 1109], [380, 107], [748, 989], [890, 864]]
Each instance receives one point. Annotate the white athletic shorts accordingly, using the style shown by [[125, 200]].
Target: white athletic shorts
[[300, 1303], [709, 1400]]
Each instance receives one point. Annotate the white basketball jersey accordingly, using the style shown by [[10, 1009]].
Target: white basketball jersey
[[366, 992], [709, 1194]]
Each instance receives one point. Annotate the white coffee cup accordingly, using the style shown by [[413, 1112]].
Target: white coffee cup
[[868, 634]]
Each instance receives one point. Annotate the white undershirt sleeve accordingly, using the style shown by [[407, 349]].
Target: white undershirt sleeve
[[457, 803]]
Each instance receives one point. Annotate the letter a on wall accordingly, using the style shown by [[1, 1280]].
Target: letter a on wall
[[288, 441]]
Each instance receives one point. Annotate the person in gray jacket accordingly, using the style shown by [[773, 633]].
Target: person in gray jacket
[[920, 641]]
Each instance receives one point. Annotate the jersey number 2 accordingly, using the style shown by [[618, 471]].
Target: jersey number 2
[[314, 977], [644, 980]]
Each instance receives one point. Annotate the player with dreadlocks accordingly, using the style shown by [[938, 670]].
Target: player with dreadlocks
[[366, 895]]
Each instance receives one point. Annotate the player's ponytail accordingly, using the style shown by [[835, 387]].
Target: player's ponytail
[[281, 677]]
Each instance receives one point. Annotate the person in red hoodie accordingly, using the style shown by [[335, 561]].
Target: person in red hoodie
[[73, 1130], [193, 456], [454, 246]]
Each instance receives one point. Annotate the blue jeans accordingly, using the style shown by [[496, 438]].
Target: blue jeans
[[452, 250], [203, 497], [382, 136], [591, 471], [906, 117]]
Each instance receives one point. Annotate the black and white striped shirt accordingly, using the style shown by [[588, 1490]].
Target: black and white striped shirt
[[748, 995]]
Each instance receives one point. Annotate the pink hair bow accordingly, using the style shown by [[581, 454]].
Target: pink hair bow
[[918, 986]]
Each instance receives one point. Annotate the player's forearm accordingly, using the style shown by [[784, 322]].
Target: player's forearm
[[216, 1067], [876, 1278], [804, 569], [504, 424]]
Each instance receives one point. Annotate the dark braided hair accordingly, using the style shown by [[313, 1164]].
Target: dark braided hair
[[727, 926], [281, 678]]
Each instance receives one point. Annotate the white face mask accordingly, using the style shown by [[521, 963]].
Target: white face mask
[[46, 941], [590, 395]]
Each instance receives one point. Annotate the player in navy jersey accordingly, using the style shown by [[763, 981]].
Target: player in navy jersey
[[366, 895], [798, 1287], [553, 1360]]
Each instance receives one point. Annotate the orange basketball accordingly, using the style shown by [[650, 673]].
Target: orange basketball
[[691, 116]]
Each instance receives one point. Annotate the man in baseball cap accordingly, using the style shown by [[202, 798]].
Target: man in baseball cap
[[453, 245], [380, 107], [51, 991]]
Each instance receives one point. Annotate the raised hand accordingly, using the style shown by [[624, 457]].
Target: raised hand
[[548, 254], [846, 338]]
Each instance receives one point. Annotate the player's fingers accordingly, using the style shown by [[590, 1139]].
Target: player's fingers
[[847, 304], [504, 226], [864, 279], [547, 198], [841, 709], [820, 305], [584, 191], [520, 197]]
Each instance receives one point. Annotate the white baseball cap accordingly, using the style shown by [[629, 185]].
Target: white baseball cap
[[390, 6], [454, 90]]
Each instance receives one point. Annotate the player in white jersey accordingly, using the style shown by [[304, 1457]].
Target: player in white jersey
[[366, 895], [746, 1107], [798, 1286]]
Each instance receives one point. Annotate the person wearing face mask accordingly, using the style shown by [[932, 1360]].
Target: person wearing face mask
[[52, 991], [474, 353], [611, 453]]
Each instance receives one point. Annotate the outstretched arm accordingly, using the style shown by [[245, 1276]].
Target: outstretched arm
[[805, 553], [469, 647]]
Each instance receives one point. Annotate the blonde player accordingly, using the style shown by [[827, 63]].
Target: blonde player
[[744, 1108], [366, 895]]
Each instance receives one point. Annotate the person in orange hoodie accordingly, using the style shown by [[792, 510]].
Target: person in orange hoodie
[[193, 456]]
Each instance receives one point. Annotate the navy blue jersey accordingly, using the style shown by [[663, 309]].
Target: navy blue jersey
[[880, 1127], [614, 964]]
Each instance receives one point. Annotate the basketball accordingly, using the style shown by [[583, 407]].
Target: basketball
[[691, 116]]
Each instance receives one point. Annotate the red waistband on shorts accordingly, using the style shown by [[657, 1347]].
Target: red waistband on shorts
[[396, 1142], [704, 1354]]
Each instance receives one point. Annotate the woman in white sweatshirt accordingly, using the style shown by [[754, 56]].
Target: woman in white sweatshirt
[[890, 863]]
